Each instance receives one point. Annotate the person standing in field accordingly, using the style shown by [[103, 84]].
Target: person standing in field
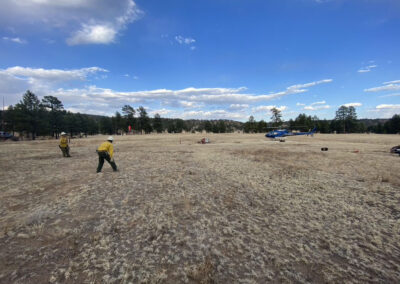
[[106, 152], [64, 145]]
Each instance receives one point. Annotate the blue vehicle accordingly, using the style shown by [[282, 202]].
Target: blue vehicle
[[5, 135], [284, 133]]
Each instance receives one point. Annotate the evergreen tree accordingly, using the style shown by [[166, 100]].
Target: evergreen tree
[[351, 120], [262, 126], [221, 126], [392, 126], [304, 122], [276, 117], [119, 124], [346, 119], [129, 115], [208, 126], [144, 120], [250, 126], [171, 127], [323, 126], [55, 117], [106, 126], [93, 126], [29, 112], [9, 120], [179, 126], [157, 123], [340, 117], [379, 128]]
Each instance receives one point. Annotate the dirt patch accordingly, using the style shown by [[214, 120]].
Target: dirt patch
[[242, 209]]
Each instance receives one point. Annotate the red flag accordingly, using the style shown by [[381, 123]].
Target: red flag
[[129, 128]]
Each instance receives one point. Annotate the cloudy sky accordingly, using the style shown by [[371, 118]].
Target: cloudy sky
[[204, 58]]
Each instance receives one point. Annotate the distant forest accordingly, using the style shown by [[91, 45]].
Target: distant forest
[[47, 117]]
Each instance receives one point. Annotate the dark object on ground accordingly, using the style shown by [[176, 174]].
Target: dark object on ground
[[324, 149], [5, 135], [204, 141], [282, 140], [395, 150]]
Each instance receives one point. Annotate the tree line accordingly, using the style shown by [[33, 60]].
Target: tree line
[[345, 121], [47, 117]]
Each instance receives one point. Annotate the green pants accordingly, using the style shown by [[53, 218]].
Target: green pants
[[105, 156], [65, 151]]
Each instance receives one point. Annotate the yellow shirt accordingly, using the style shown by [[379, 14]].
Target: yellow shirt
[[108, 147], [64, 142]]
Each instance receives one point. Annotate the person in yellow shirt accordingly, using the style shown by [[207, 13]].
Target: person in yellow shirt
[[64, 145], [106, 152]]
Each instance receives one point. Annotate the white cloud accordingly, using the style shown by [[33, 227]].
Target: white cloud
[[93, 34], [299, 86], [215, 114], [182, 40], [238, 106], [390, 95], [187, 104], [88, 22], [392, 82], [161, 112], [384, 110], [33, 75], [268, 108], [15, 39], [367, 68], [212, 96], [353, 104], [317, 106], [389, 106], [319, 103], [11, 85], [388, 86], [14, 81], [231, 102]]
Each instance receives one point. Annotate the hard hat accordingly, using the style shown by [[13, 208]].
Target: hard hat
[[110, 138], [63, 133]]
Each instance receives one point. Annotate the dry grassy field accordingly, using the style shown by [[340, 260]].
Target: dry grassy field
[[242, 209]]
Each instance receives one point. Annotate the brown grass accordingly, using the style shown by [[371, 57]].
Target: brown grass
[[241, 209]]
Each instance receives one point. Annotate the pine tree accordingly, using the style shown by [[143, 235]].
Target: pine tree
[[29, 113], [157, 123], [55, 117], [276, 117]]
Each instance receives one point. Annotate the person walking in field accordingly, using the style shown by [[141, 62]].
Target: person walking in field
[[64, 145], [106, 152]]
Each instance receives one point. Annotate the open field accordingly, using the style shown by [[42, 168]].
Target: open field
[[242, 209]]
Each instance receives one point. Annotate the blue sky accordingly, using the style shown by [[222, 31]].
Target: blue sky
[[206, 59]]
